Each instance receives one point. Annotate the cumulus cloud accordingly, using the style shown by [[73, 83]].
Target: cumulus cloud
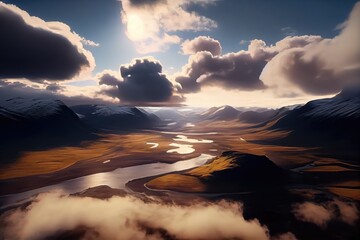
[[109, 77], [130, 218], [34, 49], [141, 83], [294, 66], [323, 67], [240, 70], [321, 215], [151, 24], [201, 43]]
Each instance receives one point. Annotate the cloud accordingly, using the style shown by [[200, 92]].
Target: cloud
[[109, 77], [151, 24], [285, 236], [34, 49], [201, 43], [70, 95], [141, 83], [323, 67], [321, 215], [130, 218], [89, 42], [240, 70], [54, 87]]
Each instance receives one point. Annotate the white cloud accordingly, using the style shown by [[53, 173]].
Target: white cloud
[[236, 70], [151, 24], [324, 67], [201, 43], [130, 218]]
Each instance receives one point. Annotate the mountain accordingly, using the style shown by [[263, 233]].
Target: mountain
[[257, 116], [223, 113], [169, 115], [331, 122], [37, 123], [116, 117], [230, 172]]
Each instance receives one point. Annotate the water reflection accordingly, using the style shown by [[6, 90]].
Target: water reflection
[[183, 138], [154, 145], [190, 134], [181, 148], [115, 179]]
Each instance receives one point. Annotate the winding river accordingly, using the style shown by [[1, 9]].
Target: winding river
[[114, 179]]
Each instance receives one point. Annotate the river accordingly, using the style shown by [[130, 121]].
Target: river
[[114, 179]]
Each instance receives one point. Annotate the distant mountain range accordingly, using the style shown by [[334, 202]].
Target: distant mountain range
[[116, 117], [38, 116], [223, 113], [38, 123], [35, 124], [228, 113], [331, 123]]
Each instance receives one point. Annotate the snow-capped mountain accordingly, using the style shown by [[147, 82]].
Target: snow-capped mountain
[[115, 117], [325, 122], [344, 107], [34, 115], [32, 123], [35, 108]]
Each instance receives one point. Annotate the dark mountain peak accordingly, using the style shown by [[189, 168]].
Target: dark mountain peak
[[225, 112], [115, 117], [36, 108]]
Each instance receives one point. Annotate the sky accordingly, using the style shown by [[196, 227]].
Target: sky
[[180, 52]]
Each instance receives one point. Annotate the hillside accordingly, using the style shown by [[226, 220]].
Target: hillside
[[230, 172]]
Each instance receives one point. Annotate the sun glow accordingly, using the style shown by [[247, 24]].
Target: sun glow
[[135, 27]]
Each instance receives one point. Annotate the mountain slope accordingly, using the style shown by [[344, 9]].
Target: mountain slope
[[223, 113], [230, 172], [257, 117], [116, 117], [332, 122], [38, 123]]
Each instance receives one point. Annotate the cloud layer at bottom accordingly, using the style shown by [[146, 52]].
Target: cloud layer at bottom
[[131, 218]]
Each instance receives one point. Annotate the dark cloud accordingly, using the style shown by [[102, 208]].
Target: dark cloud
[[142, 83], [201, 43], [231, 71], [33, 49], [108, 78], [240, 70], [54, 87]]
